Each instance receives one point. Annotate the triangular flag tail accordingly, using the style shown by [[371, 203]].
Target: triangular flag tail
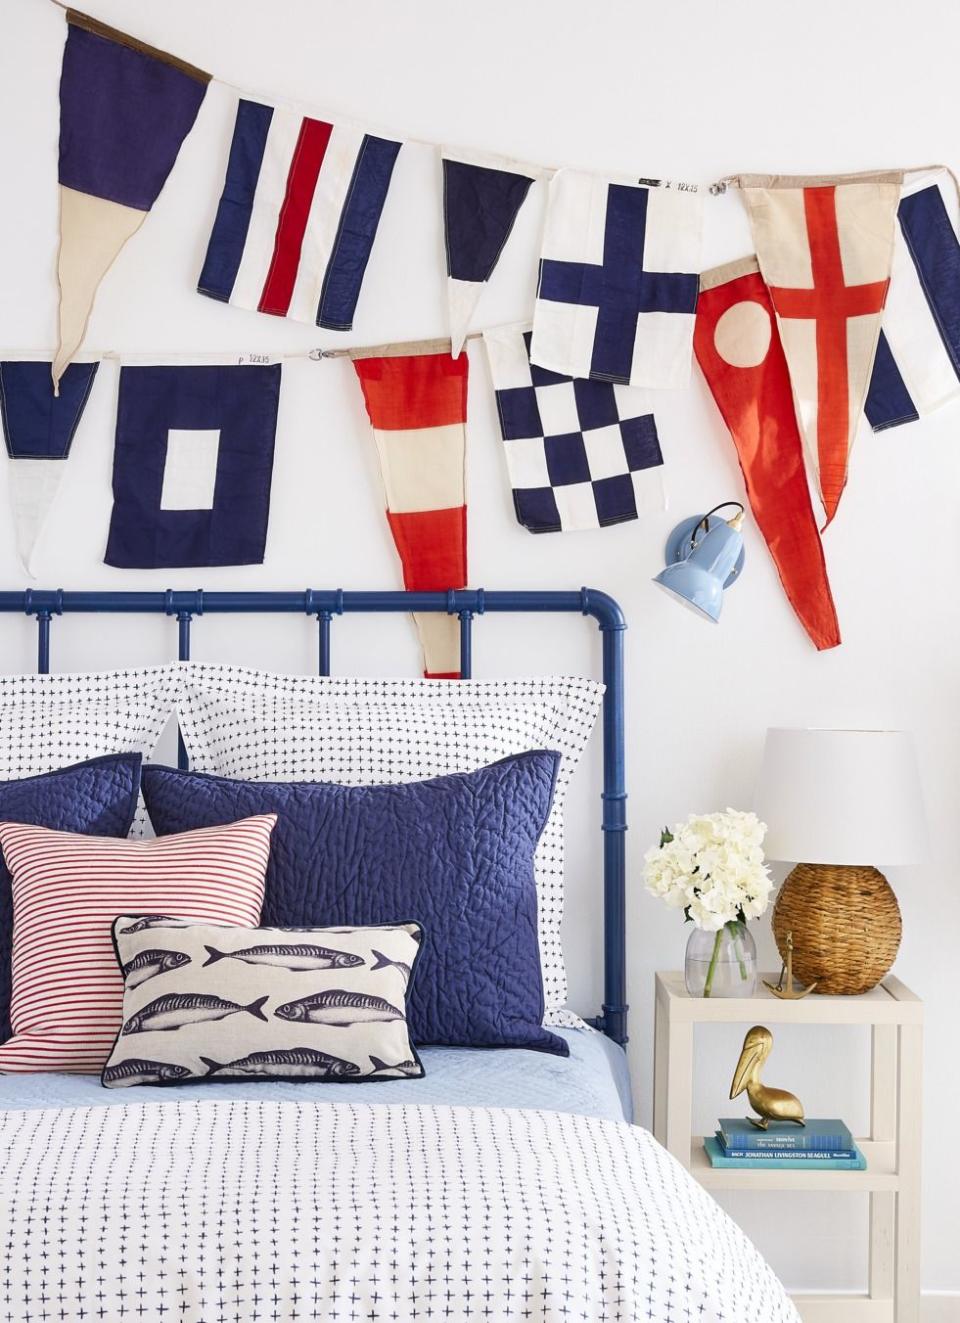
[[125, 109], [736, 344], [917, 368], [38, 428], [825, 248], [416, 398], [482, 196]]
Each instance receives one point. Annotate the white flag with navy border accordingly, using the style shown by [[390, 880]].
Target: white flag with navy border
[[917, 367]]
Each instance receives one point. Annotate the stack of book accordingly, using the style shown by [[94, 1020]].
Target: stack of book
[[824, 1144]]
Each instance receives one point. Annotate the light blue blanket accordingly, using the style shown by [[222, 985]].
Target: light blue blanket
[[592, 1081]]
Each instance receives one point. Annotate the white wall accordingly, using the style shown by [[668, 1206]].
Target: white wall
[[688, 89]]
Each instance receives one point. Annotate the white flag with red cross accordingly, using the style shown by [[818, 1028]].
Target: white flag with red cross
[[825, 248]]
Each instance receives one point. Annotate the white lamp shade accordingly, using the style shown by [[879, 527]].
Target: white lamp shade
[[841, 797]]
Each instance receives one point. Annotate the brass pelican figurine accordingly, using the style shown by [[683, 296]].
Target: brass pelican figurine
[[772, 1104]]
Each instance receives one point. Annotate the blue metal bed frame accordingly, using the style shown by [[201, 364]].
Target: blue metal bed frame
[[186, 606]]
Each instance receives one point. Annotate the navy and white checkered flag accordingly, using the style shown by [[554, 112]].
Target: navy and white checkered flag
[[580, 454]]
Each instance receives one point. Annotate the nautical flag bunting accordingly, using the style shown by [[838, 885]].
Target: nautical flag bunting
[[825, 248], [300, 208], [416, 398], [580, 454], [125, 110], [482, 196], [192, 465], [38, 428], [739, 350], [618, 284], [917, 367]]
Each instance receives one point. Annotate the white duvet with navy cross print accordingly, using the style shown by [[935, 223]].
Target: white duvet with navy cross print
[[247, 1212]]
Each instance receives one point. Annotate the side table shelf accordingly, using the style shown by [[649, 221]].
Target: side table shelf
[[892, 1149]]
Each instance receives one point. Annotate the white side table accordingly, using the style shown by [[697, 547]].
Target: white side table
[[892, 1149]]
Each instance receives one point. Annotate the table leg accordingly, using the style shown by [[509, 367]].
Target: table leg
[[679, 1108], [883, 1126], [907, 1234]]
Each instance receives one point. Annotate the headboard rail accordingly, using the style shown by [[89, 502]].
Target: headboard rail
[[468, 604]]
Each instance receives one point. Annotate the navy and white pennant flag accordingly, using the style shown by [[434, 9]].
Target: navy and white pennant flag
[[38, 428], [917, 367], [618, 280], [193, 464], [580, 454], [300, 208], [482, 196]]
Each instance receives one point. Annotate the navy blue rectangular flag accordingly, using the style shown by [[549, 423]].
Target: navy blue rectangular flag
[[192, 465]]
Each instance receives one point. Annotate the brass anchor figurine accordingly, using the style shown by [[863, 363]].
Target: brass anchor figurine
[[771, 1104], [788, 993]]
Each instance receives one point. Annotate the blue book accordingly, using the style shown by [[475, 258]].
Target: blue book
[[799, 1154], [719, 1159], [825, 1136]]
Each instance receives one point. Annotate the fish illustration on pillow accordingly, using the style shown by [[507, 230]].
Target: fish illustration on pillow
[[302, 956], [338, 1007], [176, 1010]]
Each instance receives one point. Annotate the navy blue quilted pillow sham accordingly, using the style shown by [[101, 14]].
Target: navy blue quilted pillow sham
[[454, 853], [97, 797]]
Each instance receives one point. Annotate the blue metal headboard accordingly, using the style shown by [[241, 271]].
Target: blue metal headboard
[[467, 604]]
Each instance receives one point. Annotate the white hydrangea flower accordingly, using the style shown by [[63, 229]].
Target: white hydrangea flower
[[713, 868]]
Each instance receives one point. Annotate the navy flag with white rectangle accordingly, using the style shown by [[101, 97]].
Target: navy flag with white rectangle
[[192, 465]]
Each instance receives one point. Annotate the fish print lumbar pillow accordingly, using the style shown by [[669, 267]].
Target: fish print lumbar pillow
[[208, 1002]]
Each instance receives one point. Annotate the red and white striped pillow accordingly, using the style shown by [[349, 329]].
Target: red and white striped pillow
[[68, 889]]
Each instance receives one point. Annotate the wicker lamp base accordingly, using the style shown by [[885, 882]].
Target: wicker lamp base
[[846, 926]]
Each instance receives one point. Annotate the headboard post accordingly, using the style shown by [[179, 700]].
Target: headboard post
[[613, 1020]]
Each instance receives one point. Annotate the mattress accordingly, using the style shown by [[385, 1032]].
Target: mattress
[[592, 1081]]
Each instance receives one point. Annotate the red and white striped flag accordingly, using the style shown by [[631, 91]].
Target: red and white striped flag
[[825, 247], [416, 398]]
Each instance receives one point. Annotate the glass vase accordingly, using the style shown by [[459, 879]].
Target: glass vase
[[721, 964]]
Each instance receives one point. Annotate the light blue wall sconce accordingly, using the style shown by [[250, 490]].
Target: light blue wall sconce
[[704, 556]]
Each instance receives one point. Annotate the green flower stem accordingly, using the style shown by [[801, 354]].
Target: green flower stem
[[711, 968], [734, 929]]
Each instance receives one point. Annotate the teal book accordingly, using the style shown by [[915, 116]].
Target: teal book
[[818, 1134], [799, 1154], [718, 1158]]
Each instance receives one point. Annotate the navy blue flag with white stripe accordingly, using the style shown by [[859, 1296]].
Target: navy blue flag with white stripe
[[192, 465], [618, 280], [917, 367], [300, 209], [38, 428], [482, 196]]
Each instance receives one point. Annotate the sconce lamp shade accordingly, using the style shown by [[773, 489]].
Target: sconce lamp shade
[[704, 556], [841, 797]]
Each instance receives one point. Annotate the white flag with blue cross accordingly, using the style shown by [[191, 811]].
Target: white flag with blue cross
[[618, 281]]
